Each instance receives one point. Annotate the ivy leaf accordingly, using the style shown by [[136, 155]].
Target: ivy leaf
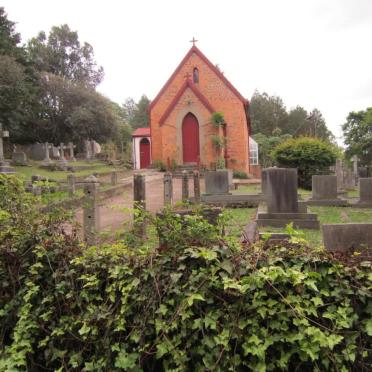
[[194, 297], [125, 360], [84, 329], [368, 327]]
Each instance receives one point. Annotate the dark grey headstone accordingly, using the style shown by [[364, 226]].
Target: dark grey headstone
[[365, 191], [280, 190], [217, 182], [19, 158], [324, 187], [343, 237]]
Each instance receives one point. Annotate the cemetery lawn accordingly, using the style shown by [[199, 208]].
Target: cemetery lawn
[[329, 215], [25, 173]]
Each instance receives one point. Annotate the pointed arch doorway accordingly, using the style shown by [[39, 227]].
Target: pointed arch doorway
[[190, 139], [145, 158]]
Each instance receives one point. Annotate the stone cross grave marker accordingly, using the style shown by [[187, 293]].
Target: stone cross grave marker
[[62, 149], [88, 150], [47, 147], [71, 147]]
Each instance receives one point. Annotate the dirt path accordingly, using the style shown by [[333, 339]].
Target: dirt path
[[116, 212]]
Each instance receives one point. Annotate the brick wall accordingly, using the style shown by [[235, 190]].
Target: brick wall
[[167, 138]]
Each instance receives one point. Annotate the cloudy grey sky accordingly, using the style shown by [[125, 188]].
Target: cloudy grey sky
[[315, 53]]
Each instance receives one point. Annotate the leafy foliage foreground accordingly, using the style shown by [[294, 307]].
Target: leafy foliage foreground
[[201, 302]]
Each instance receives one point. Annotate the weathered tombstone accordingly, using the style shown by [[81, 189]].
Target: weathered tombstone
[[340, 175], [19, 158], [139, 201], [324, 191], [114, 178], [71, 147], [62, 148], [365, 193], [355, 169], [91, 215], [282, 205], [185, 186], [47, 147], [217, 182], [349, 236], [196, 186], [36, 190], [88, 150], [4, 165], [168, 188], [71, 184]]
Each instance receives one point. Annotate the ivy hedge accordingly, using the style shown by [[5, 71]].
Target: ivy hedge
[[202, 303]]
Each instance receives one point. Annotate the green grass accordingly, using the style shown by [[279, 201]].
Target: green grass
[[25, 173], [237, 219], [329, 215], [248, 189]]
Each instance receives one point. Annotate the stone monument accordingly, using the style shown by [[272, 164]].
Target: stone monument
[[71, 147], [365, 193], [324, 192], [47, 160], [282, 207], [217, 182]]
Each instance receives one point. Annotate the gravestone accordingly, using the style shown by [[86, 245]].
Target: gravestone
[[324, 191], [217, 182], [282, 207], [19, 158], [47, 147], [114, 178], [349, 236], [91, 217], [62, 158], [365, 193], [340, 175], [71, 147], [4, 165], [88, 150]]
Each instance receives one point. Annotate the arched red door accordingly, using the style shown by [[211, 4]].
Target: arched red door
[[190, 139], [145, 159]]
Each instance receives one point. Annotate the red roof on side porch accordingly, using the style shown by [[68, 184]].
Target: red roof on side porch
[[142, 132]]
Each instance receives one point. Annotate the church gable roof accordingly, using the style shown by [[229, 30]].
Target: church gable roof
[[195, 50], [195, 90]]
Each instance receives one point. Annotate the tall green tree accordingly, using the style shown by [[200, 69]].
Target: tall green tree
[[19, 94], [62, 54], [267, 113], [137, 114], [358, 135]]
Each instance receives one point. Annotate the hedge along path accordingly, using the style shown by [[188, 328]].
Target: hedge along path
[[116, 211]]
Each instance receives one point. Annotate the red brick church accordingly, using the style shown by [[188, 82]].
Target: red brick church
[[181, 128]]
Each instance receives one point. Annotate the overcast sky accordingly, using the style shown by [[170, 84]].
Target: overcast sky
[[313, 53]]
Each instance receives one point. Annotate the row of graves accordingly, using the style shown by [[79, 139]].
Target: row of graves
[[278, 204], [52, 157]]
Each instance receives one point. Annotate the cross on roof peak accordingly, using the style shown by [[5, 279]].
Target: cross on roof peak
[[193, 41]]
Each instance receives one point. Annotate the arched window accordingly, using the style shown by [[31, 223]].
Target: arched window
[[196, 75]]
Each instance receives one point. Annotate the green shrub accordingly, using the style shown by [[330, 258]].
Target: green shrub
[[239, 174], [160, 165], [218, 119], [310, 156], [204, 303]]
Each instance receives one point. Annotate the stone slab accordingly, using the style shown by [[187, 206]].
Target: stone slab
[[217, 182], [243, 200], [19, 158], [328, 203], [344, 237], [249, 233], [324, 187], [279, 185], [365, 190], [298, 224]]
